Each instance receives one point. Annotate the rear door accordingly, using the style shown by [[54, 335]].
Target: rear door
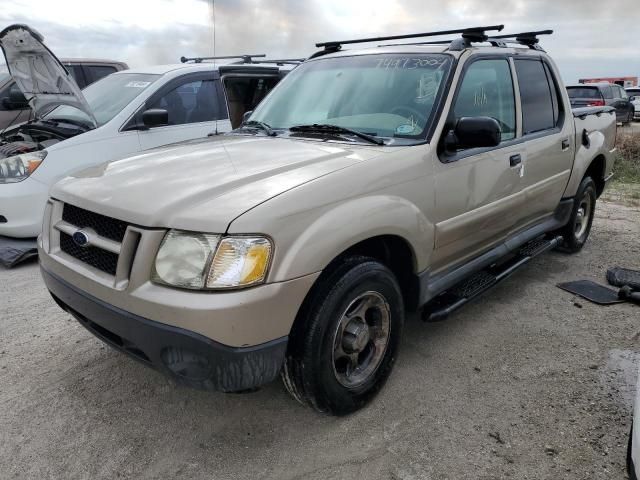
[[477, 190], [549, 135], [243, 88], [192, 105]]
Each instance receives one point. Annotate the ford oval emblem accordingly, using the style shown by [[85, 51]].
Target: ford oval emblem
[[80, 238]]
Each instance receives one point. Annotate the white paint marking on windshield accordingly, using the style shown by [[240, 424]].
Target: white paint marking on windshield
[[137, 84]]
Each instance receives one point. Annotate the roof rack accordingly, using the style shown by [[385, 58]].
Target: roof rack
[[279, 61], [468, 34], [244, 58], [529, 39]]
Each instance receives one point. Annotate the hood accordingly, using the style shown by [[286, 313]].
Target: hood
[[38, 73], [203, 185]]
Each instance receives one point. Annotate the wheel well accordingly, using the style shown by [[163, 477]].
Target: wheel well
[[596, 172], [396, 253]]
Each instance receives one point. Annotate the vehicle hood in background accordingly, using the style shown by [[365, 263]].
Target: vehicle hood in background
[[38, 73], [204, 185]]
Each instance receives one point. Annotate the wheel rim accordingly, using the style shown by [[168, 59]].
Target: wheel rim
[[361, 338], [583, 215]]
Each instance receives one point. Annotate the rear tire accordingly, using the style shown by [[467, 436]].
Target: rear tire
[[576, 232], [346, 338]]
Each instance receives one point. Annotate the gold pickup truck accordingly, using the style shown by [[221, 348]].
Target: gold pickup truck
[[369, 183]]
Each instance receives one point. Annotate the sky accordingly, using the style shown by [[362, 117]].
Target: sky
[[592, 38]]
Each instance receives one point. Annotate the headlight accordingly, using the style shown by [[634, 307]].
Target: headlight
[[210, 262], [19, 167]]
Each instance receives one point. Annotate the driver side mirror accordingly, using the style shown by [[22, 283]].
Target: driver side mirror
[[246, 116], [474, 132], [155, 117]]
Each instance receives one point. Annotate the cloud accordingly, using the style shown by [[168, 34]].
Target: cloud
[[592, 38]]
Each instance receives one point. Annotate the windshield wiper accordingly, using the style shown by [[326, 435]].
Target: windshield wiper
[[328, 128], [261, 125]]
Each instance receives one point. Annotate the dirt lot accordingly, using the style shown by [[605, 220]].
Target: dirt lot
[[522, 384]]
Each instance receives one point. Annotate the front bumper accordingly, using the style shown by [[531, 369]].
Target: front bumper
[[22, 206], [190, 358]]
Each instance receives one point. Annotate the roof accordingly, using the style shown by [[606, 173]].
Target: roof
[[197, 67], [426, 50], [92, 60]]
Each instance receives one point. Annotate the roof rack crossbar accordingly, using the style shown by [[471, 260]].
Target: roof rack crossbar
[[529, 39], [281, 61], [245, 58], [470, 33], [525, 37]]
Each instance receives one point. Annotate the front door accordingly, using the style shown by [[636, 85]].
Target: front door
[[477, 191], [192, 105]]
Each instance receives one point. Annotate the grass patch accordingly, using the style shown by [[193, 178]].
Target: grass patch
[[627, 166]]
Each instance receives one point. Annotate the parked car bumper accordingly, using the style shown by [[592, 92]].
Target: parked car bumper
[[190, 358], [22, 206]]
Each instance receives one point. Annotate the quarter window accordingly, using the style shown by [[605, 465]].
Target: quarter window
[[539, 107], [487, 91]]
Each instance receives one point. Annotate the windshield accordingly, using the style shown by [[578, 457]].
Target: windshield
[[390, 96], [107, 97], [584, 92]]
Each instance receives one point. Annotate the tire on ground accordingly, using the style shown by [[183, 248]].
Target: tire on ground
[[354, 294], [576, 232]]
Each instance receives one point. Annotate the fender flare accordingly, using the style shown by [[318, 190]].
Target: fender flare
[[349, 223]]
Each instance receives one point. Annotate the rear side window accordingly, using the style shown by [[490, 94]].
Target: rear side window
[[77, 74], [584, 92], [96, 72], [607, 92], [539, 111], [487, 91]]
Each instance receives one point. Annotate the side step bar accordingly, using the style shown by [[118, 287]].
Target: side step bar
[[443, 305]]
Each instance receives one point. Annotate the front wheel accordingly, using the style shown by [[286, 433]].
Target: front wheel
[[346, 339], [576, 232]]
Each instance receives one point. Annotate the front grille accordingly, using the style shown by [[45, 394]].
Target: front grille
[[104, 226], [96, 257]]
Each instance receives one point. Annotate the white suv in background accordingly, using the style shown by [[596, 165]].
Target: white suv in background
[[634, 97], [124, 113]]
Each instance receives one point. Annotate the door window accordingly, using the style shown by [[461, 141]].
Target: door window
[[487, 91], [539, 108], [190, 102]]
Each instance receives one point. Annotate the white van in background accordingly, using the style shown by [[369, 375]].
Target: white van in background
[[124, 113]]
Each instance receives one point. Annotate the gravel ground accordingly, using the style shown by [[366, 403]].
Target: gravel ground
[[525, 383]]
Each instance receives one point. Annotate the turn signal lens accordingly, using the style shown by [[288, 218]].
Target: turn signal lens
[[240, 262]]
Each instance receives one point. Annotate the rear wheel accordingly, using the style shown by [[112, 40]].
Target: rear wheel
[[345, 342], [576, 232]]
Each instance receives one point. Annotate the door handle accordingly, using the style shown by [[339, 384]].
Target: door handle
[[565, 144], [515, 160]]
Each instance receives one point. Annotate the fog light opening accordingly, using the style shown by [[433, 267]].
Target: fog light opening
[[185, 363]]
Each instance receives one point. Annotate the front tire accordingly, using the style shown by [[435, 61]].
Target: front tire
[[576, 232], [346, 338]]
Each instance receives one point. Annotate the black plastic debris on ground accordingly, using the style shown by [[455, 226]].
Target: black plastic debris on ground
[[592, 291], [620, 277], [16, 250]]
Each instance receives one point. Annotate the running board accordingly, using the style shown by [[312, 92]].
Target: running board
[[443, 305]]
